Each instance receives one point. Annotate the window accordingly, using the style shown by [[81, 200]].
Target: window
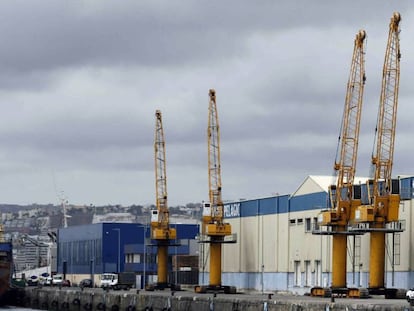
[[292, 221], [357, 250], [300, 221], [397, 248], [133, 258], [128, 258], [315, 223], [308, 225], [308, 273], [318, 273], [297, 274]]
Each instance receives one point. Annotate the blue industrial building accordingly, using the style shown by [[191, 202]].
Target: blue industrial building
[[89, 250]]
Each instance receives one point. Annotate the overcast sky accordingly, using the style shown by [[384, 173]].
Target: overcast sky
[[80, 82]]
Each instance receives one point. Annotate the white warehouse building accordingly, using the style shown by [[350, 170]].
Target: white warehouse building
[[276, 250]]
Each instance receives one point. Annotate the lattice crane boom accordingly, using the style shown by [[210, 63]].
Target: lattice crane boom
[[341, 193], [214, 229], [214, 167], [384, 200], [387, 113], [384, 203], [345, 167], [342, 201], [160, 225], [160, 173]]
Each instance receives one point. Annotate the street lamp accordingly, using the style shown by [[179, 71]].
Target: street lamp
[[176, 261], [145, 253], [144, 236], [119, 249]]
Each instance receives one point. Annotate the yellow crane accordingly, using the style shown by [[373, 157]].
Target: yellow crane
[[341, 195], [214, 229], [160, 224], [381, 215]]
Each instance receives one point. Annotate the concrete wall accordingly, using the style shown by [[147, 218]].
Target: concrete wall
[[91, 300]]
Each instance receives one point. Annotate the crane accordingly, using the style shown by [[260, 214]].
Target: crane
[[160, 224], [64, 201], [383, 191], [342, 199], [214, 229]]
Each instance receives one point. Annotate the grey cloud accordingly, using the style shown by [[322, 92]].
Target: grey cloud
[[80, 82], [51, 35]]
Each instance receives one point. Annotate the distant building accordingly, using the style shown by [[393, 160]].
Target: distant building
[[113, 217], [31, 252], [21, 225]]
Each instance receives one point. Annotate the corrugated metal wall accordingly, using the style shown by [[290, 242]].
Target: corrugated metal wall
[[99, 248]]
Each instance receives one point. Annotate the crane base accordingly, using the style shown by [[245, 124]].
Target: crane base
[[358, 292], [202, 289], [388, 293], [321, 292], [162, 286], [340, 292]]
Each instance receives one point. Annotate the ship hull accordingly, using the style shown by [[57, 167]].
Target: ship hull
[[6, 268]]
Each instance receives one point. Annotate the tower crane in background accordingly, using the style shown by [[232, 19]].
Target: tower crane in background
[[160, 224], [64, 201], [380, 216], [343, 199], [214, 229]]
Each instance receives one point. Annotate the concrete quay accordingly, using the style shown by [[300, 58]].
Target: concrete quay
[[75, 299]]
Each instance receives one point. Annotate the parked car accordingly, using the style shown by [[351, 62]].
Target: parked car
[[33, 281], [45, 281], [57, 279], [66, 283], [85, 283], [410, 294]]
